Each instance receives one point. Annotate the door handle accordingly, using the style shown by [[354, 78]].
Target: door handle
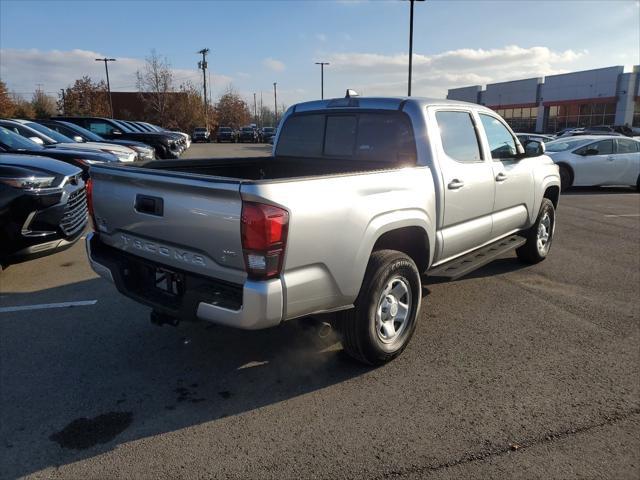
[[455, 184], [501, 177]]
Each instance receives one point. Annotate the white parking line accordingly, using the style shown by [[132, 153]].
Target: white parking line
[[44, 306], [625, 215]]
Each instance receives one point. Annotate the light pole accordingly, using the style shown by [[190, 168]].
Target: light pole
[[275, 103], [106, 68], [202, 65], [255, 109], [322, 64], [64, 102], [411, 44]]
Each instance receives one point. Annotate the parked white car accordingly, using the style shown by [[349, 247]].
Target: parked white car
[[595, 160]]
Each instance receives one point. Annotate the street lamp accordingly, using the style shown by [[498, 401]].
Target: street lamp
[[322, 64], [106, 68], [275, 102], [411, 44]]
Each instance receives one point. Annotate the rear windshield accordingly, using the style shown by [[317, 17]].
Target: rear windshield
[[225, 129], [247, 129], [202, 129], [366, 136]]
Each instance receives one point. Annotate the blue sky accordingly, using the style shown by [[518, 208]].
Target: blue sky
[[256, 43]]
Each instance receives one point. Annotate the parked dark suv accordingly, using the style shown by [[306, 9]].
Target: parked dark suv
[[164, 144], [43, 207], [200, 134], [248, 134], [226, 134]]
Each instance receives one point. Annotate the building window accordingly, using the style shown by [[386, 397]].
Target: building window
[[573, 115], [522, 120], [636, 114]]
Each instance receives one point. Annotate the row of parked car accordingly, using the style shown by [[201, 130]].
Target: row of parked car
[[248, 134], [44, 170]]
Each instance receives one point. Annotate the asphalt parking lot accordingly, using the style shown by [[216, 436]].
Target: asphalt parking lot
[[514, 372]]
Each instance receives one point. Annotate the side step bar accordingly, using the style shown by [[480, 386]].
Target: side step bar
[[460, 266]]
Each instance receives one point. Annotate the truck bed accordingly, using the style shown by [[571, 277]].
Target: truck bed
[[269, 167]]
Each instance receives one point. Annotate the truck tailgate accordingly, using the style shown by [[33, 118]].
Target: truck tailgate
[[186, 221]]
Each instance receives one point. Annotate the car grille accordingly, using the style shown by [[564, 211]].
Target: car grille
[[75, 213]]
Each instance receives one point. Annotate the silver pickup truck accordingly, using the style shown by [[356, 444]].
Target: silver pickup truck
[[361, 199]]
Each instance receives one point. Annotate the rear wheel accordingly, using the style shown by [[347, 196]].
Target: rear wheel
[[384, 319], [540, 235], [566, 179]]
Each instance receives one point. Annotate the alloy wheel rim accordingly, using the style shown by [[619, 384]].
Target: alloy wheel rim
[[543, 239], [394, 308]]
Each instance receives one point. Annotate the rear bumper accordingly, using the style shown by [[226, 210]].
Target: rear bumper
[[251, 306]]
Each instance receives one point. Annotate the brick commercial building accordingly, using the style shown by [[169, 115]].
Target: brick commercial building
[[605, 96]]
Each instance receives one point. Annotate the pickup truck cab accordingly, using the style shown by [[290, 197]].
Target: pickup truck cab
[[361, 198]]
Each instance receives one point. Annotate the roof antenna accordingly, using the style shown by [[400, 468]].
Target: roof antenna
[[351, 93]]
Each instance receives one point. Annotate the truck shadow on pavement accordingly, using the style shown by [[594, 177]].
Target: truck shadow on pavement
[[77, 382]]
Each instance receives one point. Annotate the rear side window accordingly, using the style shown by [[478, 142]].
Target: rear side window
[[458, 135], [501, 143], [366, 136], [628, 146]]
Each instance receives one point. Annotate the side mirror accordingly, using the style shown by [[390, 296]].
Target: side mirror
[[534, 148], [38, 140], [78, 138], [115, 131]]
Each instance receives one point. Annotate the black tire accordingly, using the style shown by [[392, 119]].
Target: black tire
[[361, 337], [529, 252], [566, 178]]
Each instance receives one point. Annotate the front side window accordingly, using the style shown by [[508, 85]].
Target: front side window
[[501, 142], [458, 135], [604, 147], [100, 128]]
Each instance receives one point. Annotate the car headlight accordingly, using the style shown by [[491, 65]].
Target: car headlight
[[122, 156], [28, 183]]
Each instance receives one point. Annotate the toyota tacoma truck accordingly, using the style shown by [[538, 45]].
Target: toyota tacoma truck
[[361, 199]]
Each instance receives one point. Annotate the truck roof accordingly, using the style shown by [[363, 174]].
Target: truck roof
[[378, 103]]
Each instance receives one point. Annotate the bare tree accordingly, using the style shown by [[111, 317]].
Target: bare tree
[[44, 106], [155, 83], [7, 105]]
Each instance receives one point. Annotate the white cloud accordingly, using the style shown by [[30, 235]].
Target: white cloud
[[380, 74], [273, 64], [22, 70]]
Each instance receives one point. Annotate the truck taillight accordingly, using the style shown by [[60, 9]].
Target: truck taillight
[[264, 236], [89, 190]]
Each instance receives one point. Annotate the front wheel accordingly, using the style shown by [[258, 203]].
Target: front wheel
[[384, 319], [540, 235], [565, 178]]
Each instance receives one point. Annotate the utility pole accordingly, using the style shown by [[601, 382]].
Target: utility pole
[[255, 109], [64, 102], [261, 111], [411, 45], [322, 64], [202, 65], [275, 103], [106, 69]]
